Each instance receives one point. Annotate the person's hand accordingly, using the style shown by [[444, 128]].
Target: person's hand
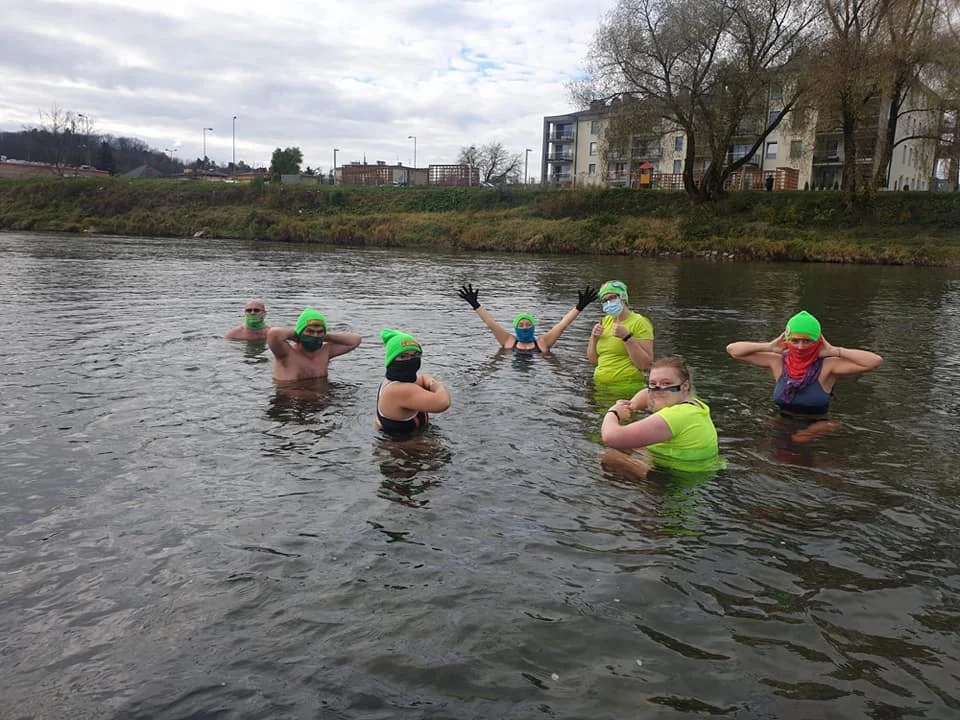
[[828, 350], [585, 297], [779, 345], [597, 330], [622, 410], [470, 295], [424, 380], [620, 331]]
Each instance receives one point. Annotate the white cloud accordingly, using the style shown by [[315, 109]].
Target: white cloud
[[361, 76]]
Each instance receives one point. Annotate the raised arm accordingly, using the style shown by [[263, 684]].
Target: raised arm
[[848, 361], [277, 341], [595, 334], [343, 342], [768, 354], [585, 297], [470, 296]]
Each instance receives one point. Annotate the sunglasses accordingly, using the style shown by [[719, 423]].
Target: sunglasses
[[250, 311], [665, 388]]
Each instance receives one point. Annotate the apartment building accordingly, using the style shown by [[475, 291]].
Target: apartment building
[[802, 152]]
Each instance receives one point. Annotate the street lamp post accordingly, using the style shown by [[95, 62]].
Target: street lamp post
[[335, 151], [526, 157], [86, 136], [205, 130], [414, 138], [234, 145]]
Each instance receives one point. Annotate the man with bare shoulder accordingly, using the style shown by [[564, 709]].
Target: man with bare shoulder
[[305, 351], [254, 329]]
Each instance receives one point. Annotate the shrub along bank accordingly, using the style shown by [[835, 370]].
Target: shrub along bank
[[906, 228]]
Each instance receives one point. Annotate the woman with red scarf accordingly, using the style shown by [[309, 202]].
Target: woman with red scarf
[[804, 365]]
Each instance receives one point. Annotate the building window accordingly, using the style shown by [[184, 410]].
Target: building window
[[772, 150], [904, 154], [594, 127], [776, 94], [593, 148], [772, 117], [833, 150], [592, 169], [677, 167], [678, 143], [740, 151], [796, 149]]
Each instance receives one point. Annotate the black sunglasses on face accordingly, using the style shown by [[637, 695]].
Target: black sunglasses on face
[[253, 310], [667, 388]]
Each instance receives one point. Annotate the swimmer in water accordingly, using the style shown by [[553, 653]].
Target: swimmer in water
[[254, 329], [524, 338], [305, 351], [805, 367], [679, 433], [621, 344], [405, 397]]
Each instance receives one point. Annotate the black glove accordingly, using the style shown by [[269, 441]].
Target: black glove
[[470, 295], [587, 296]]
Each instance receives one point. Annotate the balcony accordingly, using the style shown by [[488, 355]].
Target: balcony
[[560, 157], [827, 157], [560, 137], [650, 153]]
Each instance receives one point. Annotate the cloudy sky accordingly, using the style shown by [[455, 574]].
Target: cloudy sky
[[360, 76]]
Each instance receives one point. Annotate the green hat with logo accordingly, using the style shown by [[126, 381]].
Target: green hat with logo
[[803, 323], [397, 343], [615, 287], [309, 317]]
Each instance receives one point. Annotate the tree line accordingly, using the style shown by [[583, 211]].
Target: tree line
[[711, 67]]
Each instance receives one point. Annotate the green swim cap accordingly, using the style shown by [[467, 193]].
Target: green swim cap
[[616, 287], [523, 316], [396, 343], [309, 317], [803, 323]]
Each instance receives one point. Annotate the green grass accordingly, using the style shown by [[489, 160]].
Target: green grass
[[901, 228]]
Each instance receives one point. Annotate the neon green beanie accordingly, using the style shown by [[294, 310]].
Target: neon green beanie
[[396, 343], [803, 323], [309, 317], [616, 287], [523, 316]]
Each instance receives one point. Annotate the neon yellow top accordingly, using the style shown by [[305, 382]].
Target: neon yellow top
[[614, 365], [694, 440]]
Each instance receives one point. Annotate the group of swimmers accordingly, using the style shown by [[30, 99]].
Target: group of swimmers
[[677, 432]]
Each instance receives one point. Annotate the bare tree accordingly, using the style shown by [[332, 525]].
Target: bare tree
[[494, 162], [704, 66], [58, 124]]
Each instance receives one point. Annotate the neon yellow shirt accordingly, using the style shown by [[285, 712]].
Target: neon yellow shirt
[[614, 365], [694, 436]]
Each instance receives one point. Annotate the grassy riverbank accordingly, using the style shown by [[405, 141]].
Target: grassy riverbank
[[901, 228]]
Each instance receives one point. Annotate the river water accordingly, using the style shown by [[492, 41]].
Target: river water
[[182, 539]]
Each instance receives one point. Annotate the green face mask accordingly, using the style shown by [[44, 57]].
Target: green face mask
[[253, 322]]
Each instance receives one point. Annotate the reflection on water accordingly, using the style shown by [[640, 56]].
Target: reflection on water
[[180, 537], [410, 467]]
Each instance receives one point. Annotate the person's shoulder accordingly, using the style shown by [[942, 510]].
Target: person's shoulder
[[640, 322]]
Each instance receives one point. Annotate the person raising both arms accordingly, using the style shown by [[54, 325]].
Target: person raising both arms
[[254, 329], [524, 337], [621, 344], [305, 351], [679, 434], [406, 398], [804, 365]]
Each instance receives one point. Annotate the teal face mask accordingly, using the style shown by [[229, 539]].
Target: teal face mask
[[311, 343], [613, 307], [525, 335]]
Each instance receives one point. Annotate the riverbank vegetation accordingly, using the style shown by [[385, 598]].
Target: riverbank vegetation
[[899, 228]]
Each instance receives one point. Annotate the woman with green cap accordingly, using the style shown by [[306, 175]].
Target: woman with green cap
[[621, 344], [524, 337], [305, 351], [405, 398], [804, 365]]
